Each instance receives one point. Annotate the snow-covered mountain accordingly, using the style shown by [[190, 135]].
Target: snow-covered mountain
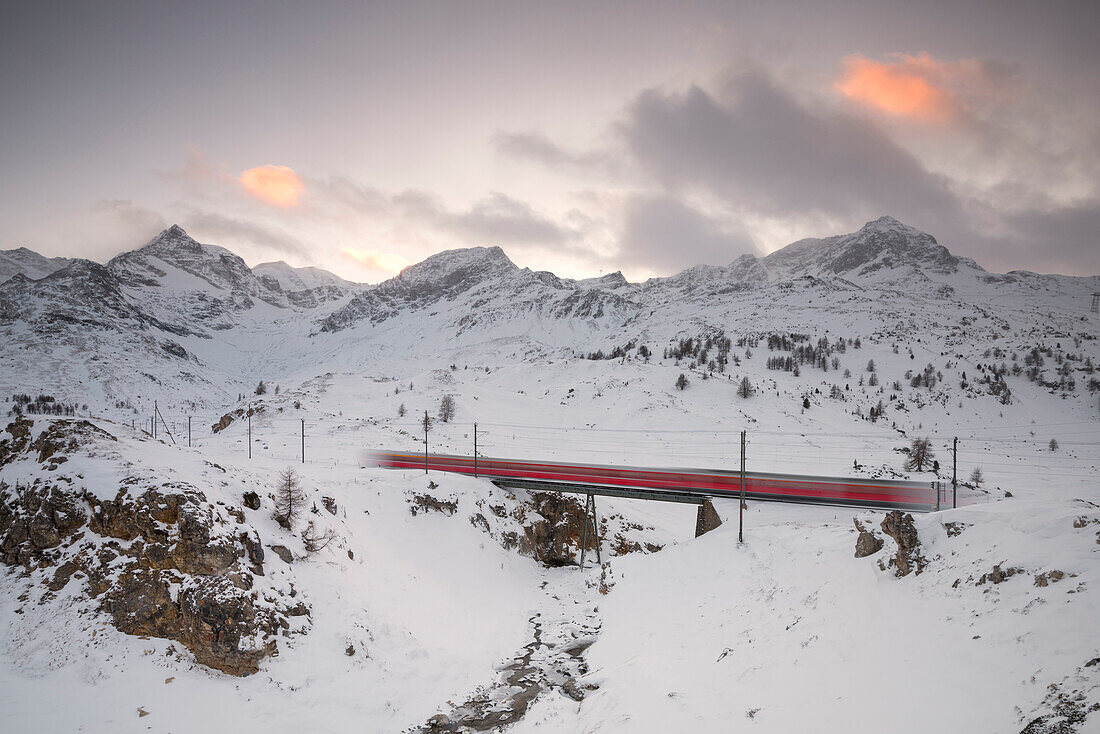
[[26, 262], [307, 287], [200, 324]]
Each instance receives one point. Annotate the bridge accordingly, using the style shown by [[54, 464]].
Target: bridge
[[693, 486]]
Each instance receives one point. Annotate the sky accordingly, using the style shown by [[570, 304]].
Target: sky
[[582, 137]]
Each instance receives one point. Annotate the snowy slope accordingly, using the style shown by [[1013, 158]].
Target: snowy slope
[[29, 263]]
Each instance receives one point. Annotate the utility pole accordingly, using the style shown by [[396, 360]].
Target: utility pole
[[303, 440], [741, 505], [955, 473], [188, 431], [425, 442], [154, 420], [250, 430], [156, 414], [475, 450]]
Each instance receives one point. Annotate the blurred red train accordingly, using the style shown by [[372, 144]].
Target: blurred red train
[[877, 493]]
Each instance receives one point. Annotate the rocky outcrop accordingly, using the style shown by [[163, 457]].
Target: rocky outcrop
[[554, 528], [998, 575], [867, 543], [428, 503], [160, 559], [899, 526]]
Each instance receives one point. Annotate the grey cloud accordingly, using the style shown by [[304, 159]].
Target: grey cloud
[[1065, 237], [132, 219], [663, 233], [218, 229], [537, 147], [759, 148], [357, 197], [497, 219]]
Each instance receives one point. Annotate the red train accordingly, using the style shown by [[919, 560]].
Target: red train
[[878, 493]]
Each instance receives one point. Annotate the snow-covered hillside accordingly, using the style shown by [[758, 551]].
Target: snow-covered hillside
[[29, 263], [851, 346]]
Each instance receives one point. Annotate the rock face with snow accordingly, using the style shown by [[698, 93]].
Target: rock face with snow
[[29, 263], [305, 288], [908, 559], [486, 289], [880, 246], [160, 558]]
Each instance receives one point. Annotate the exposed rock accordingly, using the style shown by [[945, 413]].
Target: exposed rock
[[283, 552], [227, 420], [219, 625], [955, 528], [998, 575], [1067, 717], [154, 540], [553, 536], [329, 504], [899, 526], [428, 503], [20, 432], [1050, 577], [571, 689], [251, 500], [255, 549], [867, 543]]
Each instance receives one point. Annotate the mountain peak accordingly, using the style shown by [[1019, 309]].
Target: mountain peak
[[29, 263], [458, 265], [881, 247], [173, 238], [887, 224]]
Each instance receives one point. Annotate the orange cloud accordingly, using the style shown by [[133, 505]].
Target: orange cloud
[[278, 185], [384, 261], [905, 86]]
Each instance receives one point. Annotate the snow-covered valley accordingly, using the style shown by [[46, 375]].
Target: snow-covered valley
[[429, 587]]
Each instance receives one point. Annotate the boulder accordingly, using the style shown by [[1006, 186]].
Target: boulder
[[867, 543], [283, 552], [899, 526], [218, 624]]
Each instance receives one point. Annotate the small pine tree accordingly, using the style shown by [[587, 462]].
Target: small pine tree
[[681, 381], [745, 388], [290, 498], [920, 455], [1053, 444], [805, 403], [870, 365], [401, 410], [446, 408], [261, 389]]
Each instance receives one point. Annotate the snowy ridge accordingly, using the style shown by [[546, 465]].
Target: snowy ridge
[[22, 261]]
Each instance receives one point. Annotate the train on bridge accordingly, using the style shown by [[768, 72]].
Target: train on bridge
[[677, 484]]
